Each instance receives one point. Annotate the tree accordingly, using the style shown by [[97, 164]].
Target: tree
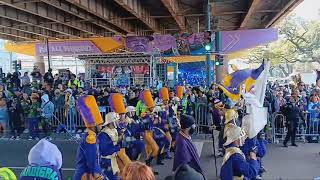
[[299, 41]]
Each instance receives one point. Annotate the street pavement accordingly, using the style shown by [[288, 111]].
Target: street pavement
[[296, 163]]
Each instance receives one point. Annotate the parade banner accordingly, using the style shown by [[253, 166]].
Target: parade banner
[[192, 43], [67, 48]]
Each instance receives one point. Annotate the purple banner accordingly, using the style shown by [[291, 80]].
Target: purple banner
[[244, 39], [192, 43], [67, 48]]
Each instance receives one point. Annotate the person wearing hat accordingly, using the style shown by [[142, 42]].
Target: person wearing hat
[[235, 165], [45, 162], [152, 148], [159, 135], [34, 117], [132, 140], [166, 114], [87, 163], [185, 150], [109, 146], [116, 102]]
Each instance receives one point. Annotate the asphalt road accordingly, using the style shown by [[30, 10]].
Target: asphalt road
[[282, 163]]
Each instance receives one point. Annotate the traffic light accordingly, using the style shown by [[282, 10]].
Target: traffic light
[[14, 65], [208, 41], [219, 60], [19, 65]]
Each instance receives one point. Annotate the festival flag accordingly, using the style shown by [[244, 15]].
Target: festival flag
[[232, 83]]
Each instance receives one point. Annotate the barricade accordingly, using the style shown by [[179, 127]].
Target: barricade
[[203, 118], [307, 128], [72, 119]]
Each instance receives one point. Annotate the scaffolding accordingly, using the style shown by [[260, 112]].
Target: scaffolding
[[93, 61]]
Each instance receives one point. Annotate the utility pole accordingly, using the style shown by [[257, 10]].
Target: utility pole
[[48, 53], [209, 69]]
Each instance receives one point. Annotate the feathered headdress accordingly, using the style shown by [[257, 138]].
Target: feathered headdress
[[116, 103], [146, 98], [164, 94], [179, 91], [89, 111]]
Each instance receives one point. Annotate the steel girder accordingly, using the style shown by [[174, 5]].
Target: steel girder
[[252, 10], [82, 14], [175, 11], [142, 13], [18, 34], [106, 12], [52, 14], [7, 23], [32, 20]]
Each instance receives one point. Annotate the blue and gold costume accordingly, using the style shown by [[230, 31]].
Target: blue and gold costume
[[109, 147], [152, 148], [132, 141], [235, 165], [87, 164]]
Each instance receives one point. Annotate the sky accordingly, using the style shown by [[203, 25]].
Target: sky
[[308, 9]]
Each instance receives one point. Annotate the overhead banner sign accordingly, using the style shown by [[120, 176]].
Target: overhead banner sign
[[67, 48], [185, 44]]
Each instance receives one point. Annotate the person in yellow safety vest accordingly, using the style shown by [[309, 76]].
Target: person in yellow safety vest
[[7, 174], [74, 81], [116, 102]]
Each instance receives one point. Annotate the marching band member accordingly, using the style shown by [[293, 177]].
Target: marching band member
[[87, 166], [116, 103], [152, 148], [160, 136], [134, 142], [109, 147], [235, 165], [165, 115]]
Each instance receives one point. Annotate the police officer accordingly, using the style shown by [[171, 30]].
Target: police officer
[[293, 114]]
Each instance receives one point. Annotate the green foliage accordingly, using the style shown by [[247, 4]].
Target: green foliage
[[299, 41]]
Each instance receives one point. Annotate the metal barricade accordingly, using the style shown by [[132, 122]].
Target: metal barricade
[[278, 127], [307, 128], [203, 122], [72, 119]]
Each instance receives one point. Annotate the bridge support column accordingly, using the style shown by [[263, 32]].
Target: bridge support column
[[40, 63]]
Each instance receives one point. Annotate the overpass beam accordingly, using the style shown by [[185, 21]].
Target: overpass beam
[[6, 23], [139, 11], [52, 14], [31, 20], [18, 34], [252, 10], [82, 14], [176, 13], [103, 10]]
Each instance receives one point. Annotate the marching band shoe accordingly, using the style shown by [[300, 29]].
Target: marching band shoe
[[148, 161], [159, 160], [294, 145]]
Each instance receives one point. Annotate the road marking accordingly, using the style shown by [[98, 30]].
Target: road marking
[[63, 169]]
